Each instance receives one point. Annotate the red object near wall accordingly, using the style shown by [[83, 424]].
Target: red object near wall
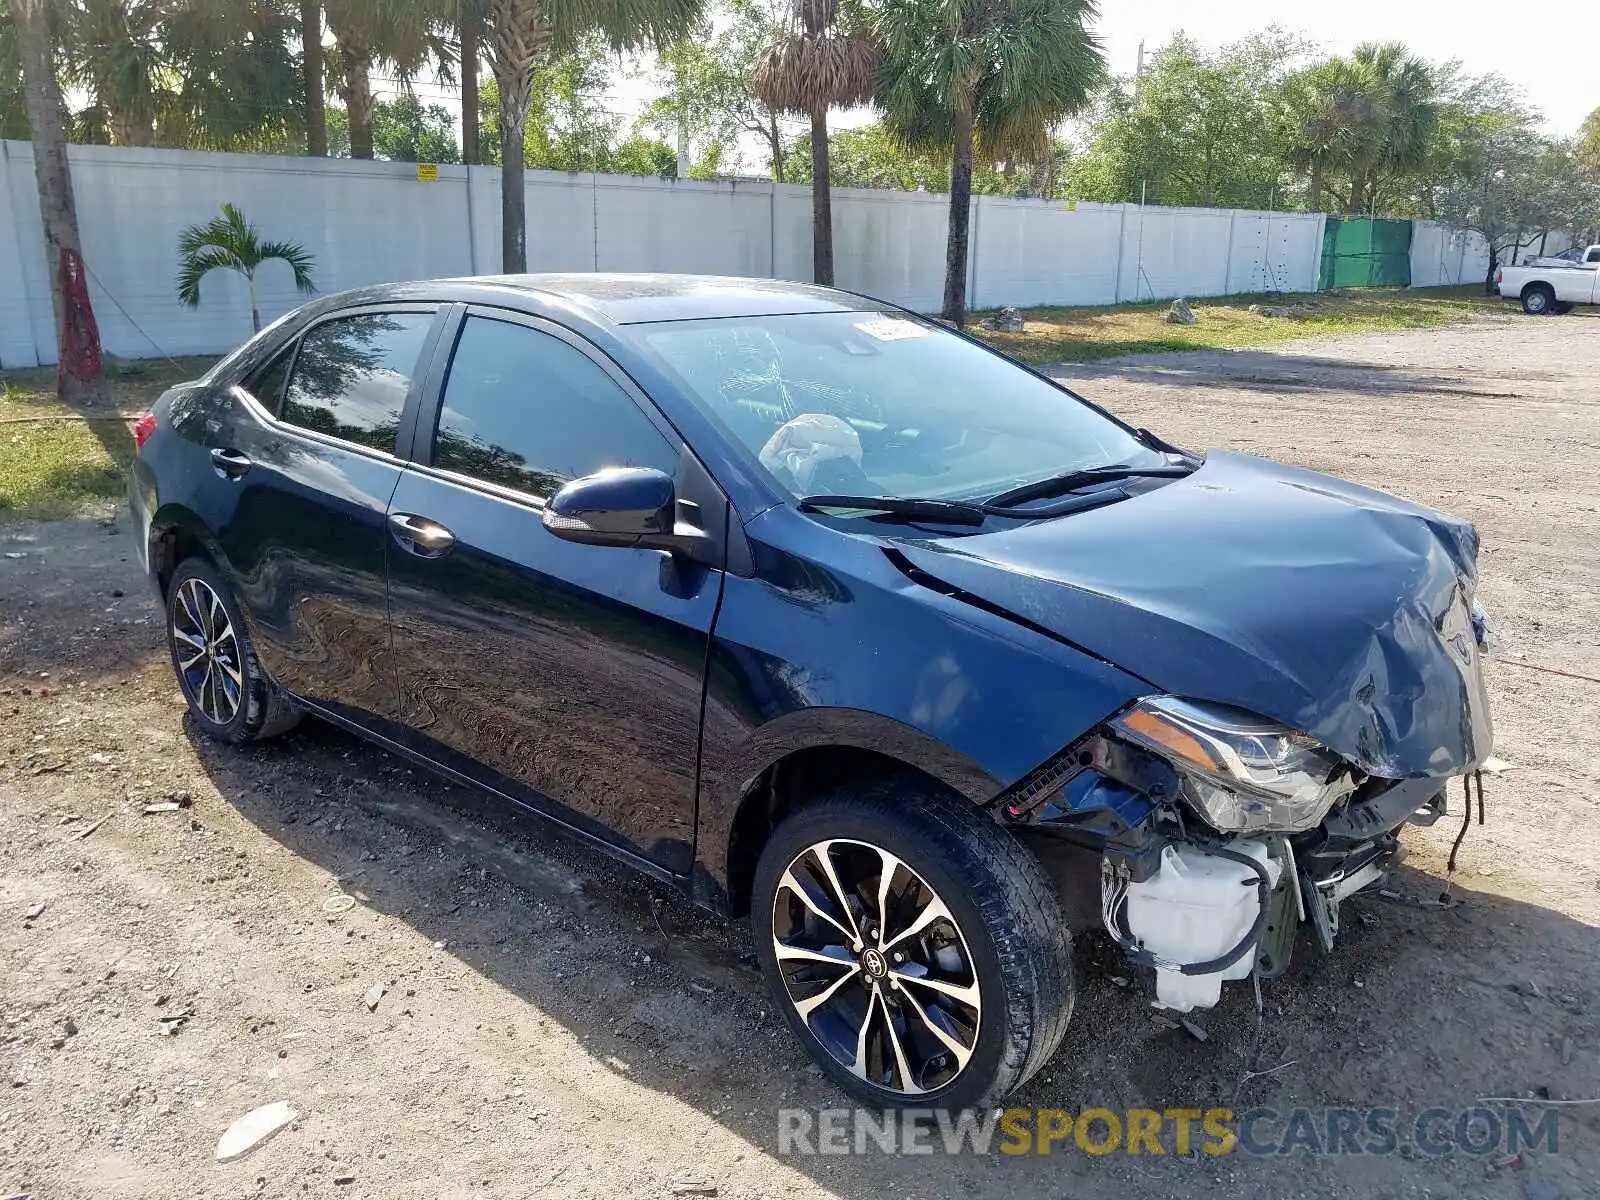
[[80, 338]]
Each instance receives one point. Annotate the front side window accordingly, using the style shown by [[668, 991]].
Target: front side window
[[352, 374], [883, 404], [527, 411]]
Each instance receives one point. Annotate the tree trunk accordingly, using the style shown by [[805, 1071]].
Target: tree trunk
[[774, 137], [955, 252], [470, 54], [1316, 187], [1494, 266], [79, 379], [821, 201], [311, 72], [516, 92], [357, 92], [255, 309]]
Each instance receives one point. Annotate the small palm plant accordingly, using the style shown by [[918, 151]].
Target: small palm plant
[[231, 242]]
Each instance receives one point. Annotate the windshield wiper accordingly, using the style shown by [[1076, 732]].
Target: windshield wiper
[[1069, 481], [949, 512]]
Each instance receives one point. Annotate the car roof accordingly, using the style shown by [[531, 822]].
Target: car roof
[[622, 299]]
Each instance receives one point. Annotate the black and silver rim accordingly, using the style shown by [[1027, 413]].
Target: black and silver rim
[[1536, 302], [207, 652], [876, 966]]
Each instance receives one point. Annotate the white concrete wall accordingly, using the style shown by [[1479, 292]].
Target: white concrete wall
[[367, 222], [1445, 257]]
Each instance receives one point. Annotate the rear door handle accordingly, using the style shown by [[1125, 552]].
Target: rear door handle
[[420, 536], [230, 464]]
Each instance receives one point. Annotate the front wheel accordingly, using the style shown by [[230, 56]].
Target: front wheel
[[913, 945]]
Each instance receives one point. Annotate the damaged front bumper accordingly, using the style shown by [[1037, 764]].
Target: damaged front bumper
[[1197, 908]]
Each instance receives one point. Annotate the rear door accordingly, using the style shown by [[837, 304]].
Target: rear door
[[314, 469], [566, 676]]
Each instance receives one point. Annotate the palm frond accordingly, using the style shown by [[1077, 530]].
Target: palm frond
[[298, 258], [195, 266], [808, 71]]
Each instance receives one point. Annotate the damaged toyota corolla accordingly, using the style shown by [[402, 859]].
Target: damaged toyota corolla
[[834, 618]]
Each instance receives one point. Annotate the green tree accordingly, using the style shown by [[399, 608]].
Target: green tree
[[525, 32], [824, 60], [569, 127], [1588, 147], [13, 106], [230, 242], [406, 130], [1000, 73], [706, 83], [1195, 128], [874, 156], [189, 73]]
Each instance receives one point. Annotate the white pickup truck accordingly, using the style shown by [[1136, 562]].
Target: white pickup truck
[[1552, 288]]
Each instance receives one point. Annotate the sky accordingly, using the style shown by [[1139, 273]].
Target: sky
[[1541, 49]]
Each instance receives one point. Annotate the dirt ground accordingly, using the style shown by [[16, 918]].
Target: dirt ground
[[553, 1025]]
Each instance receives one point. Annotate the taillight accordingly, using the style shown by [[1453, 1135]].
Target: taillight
[[143, 428], [1499, 277]]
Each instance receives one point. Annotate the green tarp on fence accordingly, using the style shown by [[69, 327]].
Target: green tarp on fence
[[1358, 252]]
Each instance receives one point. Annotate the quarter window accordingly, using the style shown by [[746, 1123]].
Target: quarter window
[[266, 383], [527, 411], [352, 374]]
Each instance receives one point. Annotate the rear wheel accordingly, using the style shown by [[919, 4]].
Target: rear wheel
[[230, 698], [1538, 299], [913, 945]]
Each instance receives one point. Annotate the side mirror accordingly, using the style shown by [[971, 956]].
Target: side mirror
[[620, 506]]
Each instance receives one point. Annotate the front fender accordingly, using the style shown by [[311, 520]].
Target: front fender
[[839, 648]]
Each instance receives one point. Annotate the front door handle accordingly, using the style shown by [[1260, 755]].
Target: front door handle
[[420, 536], [230, 464]]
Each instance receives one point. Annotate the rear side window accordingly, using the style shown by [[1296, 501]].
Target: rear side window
[[527, 411], [352, 374], [1594, 256]]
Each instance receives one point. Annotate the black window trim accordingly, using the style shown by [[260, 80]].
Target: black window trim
[[440, 311], [426, 427]]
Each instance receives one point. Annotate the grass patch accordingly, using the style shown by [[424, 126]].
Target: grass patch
[[62, 465], [1056, 334]]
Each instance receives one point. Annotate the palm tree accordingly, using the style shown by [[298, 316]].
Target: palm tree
[[230, 242], [524, 31], [1000, 73], [402, 34], [471, 22], [817, 65], [79, 375], [1402, 109]]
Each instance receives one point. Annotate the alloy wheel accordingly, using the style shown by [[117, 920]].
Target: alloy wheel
[[876, 966], [207, 652]]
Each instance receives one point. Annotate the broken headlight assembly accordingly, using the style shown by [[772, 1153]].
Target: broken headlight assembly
[[1242, 773]]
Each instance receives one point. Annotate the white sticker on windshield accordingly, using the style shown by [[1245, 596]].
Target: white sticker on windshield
[[891, 329]]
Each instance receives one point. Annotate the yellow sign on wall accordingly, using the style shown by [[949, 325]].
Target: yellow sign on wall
[[427, 172]]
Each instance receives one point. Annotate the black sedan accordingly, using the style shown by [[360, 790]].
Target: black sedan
[[830, 616]]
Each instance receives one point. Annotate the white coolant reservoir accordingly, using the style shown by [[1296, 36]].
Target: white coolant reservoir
[[1198, 907]]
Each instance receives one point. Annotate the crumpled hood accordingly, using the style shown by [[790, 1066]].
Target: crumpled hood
[[1331, 607]]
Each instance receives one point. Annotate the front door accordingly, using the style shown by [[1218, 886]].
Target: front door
[[306, 536], [567, 676]]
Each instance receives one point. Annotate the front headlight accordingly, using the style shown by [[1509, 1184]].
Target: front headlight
[[1241, 772]]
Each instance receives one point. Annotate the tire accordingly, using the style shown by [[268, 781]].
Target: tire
[[1538, 299], [230, 697], [997, 955]]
